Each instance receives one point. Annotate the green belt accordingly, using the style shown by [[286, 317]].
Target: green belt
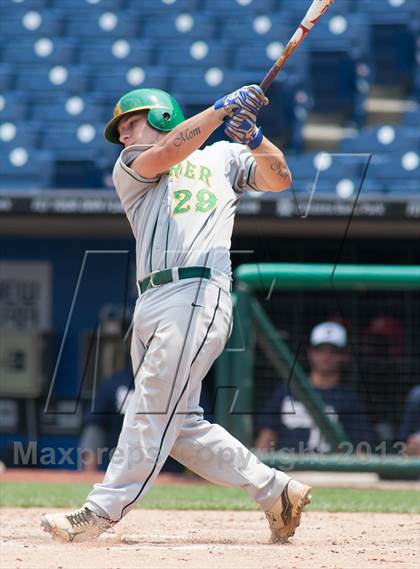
[[158, 278]]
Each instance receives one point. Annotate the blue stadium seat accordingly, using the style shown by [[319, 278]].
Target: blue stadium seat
[[75, 169], [25, 134], [77, 141], [116, 80], [86, 6], [190, 54], [25, 168], [297, 9], [338, 30], [102, 25], [303, 171], [180, 26], [203, 87], [159, 7], [399, 172], [240, 8], [11, 5], [327, 173], [68, 110], [260, 56], [382, 140], [266, 27], [197, 90], [373, 186], [113, 51], [412, 118], [333, 80], [393, 51], [30, 23], [389, 7], [40, 51], [6, 77], [53, 79], [13, 107]]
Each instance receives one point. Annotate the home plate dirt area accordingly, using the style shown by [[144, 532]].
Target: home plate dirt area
[[216, 539]]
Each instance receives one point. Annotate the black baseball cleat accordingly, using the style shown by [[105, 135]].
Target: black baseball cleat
[[284, 516], [80, 525]]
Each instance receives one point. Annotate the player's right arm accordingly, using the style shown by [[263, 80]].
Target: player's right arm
[[189, 135], [177, 145]]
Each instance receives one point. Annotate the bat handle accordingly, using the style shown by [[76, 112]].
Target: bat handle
[[271, 75], [269, 78]]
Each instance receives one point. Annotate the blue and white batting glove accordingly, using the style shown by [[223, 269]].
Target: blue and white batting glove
[[248, 98], [242, 128]]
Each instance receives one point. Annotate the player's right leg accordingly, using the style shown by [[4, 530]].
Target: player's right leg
[[175, 328], [80, 525]]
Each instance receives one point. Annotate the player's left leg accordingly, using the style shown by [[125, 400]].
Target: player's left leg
[[213, 453]]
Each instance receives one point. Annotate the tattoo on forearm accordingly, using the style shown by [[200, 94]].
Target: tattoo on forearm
[[277, 166], [186, 135]]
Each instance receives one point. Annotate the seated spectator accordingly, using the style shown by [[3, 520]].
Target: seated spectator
[[410, 426], [381, 361], [286, 423]]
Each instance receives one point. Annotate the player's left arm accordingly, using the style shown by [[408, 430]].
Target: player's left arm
[[271, 173]]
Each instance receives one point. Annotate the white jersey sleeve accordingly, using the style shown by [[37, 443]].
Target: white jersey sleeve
[[241, 168], [130, 186]]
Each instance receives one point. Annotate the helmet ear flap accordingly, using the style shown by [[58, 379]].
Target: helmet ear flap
[[166, 118]]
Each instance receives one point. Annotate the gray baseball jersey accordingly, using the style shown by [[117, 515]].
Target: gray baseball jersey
[[185, 218]]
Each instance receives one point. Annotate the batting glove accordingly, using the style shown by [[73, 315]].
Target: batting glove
[[248, 98], [242, 128]]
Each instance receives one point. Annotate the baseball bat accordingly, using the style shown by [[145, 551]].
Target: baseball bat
[[316, 10]]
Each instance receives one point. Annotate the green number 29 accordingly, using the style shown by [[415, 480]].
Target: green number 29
[[205, 201]]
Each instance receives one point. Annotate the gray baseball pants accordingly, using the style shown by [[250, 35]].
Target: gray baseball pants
[[179, 329]]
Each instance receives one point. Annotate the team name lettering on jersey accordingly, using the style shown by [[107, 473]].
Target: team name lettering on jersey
[[192, 171]]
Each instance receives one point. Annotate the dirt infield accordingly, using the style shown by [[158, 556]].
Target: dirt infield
[[190, 540]]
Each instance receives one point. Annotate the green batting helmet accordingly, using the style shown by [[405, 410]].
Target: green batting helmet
[[164, 111]]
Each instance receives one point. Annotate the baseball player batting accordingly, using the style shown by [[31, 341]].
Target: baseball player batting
[[180, 201]]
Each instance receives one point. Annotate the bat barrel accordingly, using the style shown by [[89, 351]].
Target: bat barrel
[[317, 9]]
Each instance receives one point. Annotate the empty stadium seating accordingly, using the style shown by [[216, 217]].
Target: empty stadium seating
[[64, 63], [29, 24], [384, 139], [104, 52], [412, 118], [180, 55], [398, 173], [13, 107], [332, 173], [393, 50], [25, 169], [37, 51]]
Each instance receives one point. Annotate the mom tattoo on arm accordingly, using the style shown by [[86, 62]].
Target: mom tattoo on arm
[[186, 135]]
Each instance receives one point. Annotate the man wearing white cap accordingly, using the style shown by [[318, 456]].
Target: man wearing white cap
[[285, 422]]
